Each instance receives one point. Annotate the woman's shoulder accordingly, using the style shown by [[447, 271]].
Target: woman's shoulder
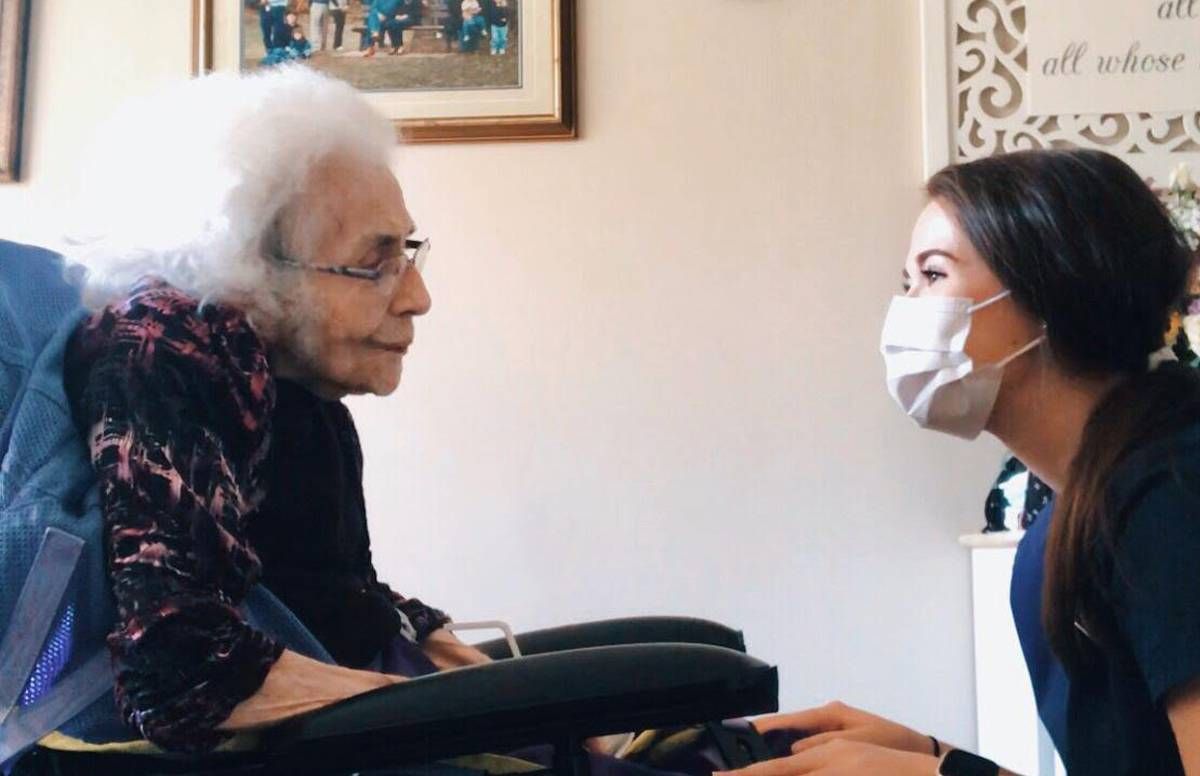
[[155, 312], [1165, 467], [1176, 446], [154, 306], [161, 334]]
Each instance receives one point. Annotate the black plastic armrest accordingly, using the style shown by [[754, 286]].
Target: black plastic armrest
[[559, 698], [630, 630]]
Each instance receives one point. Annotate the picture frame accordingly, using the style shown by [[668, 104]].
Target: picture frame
[[14, 44], [438, 85]]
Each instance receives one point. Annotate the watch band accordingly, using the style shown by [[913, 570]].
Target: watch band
[[418, 620], [960, 763]]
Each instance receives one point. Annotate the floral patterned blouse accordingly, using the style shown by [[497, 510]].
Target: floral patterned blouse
[[178, 405]]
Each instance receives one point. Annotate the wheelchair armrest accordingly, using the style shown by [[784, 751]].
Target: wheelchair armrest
[[559, 698], [630, 630]]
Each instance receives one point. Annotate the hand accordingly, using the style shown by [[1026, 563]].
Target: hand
[[840, 757], [838, 722], [297, 684], [446, 651]]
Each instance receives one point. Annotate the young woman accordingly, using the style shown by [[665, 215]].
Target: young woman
[[1036, 291]]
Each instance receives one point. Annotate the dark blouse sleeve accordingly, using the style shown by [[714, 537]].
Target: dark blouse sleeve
[[1156, 582], [177, 400], [422, 618]]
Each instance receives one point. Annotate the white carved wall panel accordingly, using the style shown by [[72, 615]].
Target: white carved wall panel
[[975, 104]]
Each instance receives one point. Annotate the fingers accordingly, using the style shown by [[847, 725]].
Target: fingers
[[823, 719], [812, 742], [794, 765]]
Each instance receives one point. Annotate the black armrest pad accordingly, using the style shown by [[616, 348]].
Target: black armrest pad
[[631, 630], [537, 699]]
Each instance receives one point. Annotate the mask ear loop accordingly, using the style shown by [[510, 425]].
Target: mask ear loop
[[989, 301], [1009, 359]]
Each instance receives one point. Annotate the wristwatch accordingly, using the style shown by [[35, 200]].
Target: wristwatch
[[960, 763]]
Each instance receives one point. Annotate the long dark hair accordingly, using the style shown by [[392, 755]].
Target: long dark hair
[[1087, 248]]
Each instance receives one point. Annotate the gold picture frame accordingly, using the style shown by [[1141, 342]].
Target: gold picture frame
[[14, 43], [542, 106]]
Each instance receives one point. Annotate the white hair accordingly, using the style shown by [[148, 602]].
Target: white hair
[[189, 183]]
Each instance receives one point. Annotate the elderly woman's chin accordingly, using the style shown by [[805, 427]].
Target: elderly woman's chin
[[378, 375], [385, 380], [375, 371]]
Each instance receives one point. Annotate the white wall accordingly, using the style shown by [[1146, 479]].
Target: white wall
[[650, 380]]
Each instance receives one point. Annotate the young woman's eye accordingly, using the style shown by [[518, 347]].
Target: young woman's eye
[[932, 275]]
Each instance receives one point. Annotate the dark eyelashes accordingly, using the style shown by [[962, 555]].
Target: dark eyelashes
[[931, 275]]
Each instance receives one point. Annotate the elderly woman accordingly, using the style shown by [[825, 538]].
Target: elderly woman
[[240, 290]]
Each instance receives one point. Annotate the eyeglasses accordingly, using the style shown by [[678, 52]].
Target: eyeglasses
[[392, 266]]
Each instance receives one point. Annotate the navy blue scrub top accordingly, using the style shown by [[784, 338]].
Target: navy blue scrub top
[[1112, 720]]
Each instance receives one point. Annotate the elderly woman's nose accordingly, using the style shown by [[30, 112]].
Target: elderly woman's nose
[[411, 297]]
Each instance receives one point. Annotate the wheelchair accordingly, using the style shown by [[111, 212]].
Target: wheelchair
[[570, 683]]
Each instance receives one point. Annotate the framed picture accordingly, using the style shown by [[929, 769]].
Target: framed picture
[[443, 70], [14, 38]]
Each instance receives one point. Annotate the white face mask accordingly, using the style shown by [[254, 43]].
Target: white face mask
[[929, 374]]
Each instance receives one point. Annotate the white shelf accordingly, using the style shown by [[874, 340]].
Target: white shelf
[[1008, 726]]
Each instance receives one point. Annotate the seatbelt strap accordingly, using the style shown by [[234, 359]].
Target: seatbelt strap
[[34, 612], [72, 694]]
